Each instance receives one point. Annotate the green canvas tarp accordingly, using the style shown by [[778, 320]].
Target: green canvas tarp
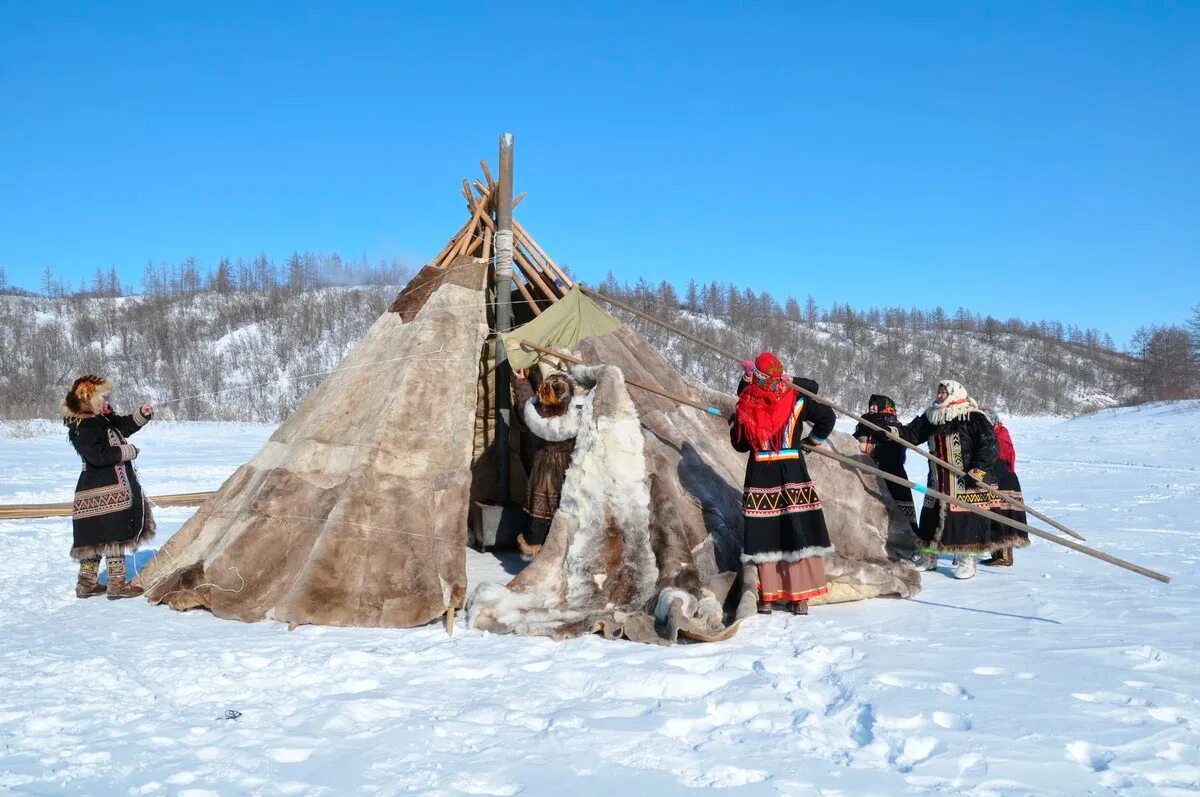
[[568, 321]]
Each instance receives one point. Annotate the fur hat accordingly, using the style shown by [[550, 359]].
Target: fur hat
[[555, 390], [85, 398]]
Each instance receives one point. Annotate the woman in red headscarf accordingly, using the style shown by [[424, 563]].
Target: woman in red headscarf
[[784, 527]]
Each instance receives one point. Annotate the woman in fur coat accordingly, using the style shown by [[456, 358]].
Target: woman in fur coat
[[552, 414], [785, 534], [957, 431], [1010, 485], [111, 515], [889, 455]]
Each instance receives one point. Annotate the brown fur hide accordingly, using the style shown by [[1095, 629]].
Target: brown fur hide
[[355, 512]]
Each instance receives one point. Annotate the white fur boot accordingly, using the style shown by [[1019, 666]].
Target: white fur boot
[[964, 566]]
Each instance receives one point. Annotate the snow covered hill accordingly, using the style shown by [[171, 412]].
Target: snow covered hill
[[1061, 676], [253, 356]]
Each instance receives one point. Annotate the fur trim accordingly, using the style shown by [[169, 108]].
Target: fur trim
[[786, 556], [85, 398], [555, 429], [1011, 541], [957, 404]]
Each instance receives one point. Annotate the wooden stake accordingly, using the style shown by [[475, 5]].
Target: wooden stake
[[487, 173], [1008, 499], [450, 621]]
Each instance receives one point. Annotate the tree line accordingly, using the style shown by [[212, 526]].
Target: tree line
[[246, 333]]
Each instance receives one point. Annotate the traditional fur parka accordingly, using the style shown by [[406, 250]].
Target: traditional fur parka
[[782, 516], [553, 415], [958, 432], [889, 454], [111, 515]]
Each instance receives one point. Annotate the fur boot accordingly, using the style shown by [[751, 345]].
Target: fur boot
[[1001, 558], [527, 551], [799, 607], [118, 587], [926, 560], [86, 585], [964, 566]]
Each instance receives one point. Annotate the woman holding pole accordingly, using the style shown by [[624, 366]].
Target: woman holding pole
[[887, 452], [785, 534], [957, 431]]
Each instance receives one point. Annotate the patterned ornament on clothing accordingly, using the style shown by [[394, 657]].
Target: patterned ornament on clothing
[[777, 501]]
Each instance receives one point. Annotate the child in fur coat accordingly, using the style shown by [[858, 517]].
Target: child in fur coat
[[553, 415]]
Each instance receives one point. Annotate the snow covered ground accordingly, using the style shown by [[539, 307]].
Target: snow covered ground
[[1061, 676]]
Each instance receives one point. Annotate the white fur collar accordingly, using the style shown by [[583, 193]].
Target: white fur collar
[[556, 429]]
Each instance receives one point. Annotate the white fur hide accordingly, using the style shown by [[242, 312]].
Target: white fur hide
[[597, 562]]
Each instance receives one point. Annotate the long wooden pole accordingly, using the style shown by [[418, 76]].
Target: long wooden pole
[[1016, 524], [1008, 499], [504, 278], [28, 511]]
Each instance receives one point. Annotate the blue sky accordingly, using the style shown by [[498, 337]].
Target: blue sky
[[1029, 159]]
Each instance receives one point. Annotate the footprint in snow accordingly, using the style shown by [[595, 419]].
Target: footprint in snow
[[951, 722], [1089, 755], [989, 671], [290, 755]]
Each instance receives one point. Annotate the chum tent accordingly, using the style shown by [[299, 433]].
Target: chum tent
[[357, 511]]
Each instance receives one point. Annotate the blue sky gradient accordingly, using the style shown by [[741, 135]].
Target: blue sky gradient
[[1028, 159]]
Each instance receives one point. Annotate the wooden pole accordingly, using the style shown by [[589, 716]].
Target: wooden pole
[[1016, 524], [537, 248], [532, 275], [504, 281], [28, 511], [527, 296], [1008, 499]]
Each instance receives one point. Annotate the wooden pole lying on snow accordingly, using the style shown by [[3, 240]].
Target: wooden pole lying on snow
[[29, 511], [1008, 499], [1016, 524]]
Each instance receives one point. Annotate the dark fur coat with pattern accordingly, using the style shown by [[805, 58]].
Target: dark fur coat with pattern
[[111, 515]]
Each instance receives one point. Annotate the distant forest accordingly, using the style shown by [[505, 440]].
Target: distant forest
[[252, 331]]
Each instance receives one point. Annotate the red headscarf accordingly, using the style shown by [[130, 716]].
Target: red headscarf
[[1008, 454], [765, 405]]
